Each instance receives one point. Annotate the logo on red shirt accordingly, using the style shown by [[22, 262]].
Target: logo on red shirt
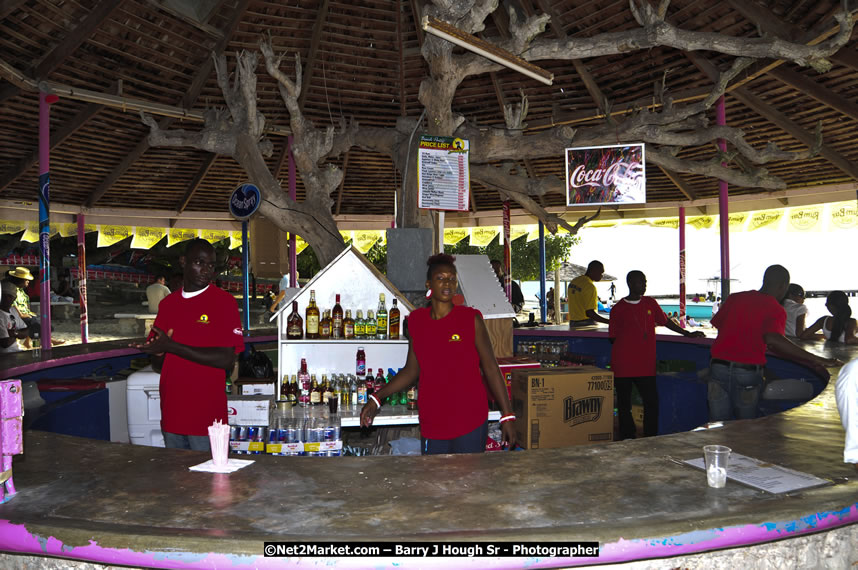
[[204, 318], [455, 338]]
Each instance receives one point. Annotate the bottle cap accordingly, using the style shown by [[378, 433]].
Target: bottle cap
[[381, 296], [360, 348]]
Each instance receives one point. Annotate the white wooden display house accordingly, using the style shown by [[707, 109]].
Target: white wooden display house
[[358, 283]]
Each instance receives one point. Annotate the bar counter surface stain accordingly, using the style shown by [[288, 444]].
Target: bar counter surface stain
[[117, 503]]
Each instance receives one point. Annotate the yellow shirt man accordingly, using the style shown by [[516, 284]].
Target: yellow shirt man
[[581, 296]]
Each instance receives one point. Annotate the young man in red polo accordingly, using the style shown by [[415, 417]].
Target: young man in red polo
[[748, 323]]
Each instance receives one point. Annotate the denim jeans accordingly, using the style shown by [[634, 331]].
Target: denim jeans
[[473, 442], [194, 442], [734, 392]]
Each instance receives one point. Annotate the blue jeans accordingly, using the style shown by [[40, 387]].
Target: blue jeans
[[734, 391], [473, 442], [193, 442]]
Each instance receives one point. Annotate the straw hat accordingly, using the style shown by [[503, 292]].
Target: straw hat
[[21, 273]]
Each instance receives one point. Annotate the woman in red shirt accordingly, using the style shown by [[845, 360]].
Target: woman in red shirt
[[448, 346]]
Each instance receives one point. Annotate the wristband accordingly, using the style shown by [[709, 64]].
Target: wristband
[[374, 399], [509, 418]]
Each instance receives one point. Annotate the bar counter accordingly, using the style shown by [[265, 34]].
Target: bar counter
[[139, 506]]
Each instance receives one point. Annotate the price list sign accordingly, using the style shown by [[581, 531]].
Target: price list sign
[[442, 172]]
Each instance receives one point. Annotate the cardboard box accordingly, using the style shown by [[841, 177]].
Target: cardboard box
[[559, 407], [256, 387], [250, 410], [510, 363]]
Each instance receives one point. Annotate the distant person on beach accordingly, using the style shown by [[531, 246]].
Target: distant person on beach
[[749, 323], [796, 310], [632, 335], [716, 304], [583, 299], [840, 326], [156, 292]]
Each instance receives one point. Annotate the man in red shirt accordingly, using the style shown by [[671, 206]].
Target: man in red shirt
[[748, 323], [632, 334], [194, 340]]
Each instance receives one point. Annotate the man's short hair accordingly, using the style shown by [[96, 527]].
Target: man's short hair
[[776, 275], [594, 264]]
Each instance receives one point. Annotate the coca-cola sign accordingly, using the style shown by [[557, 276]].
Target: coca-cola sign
[[605, 175]]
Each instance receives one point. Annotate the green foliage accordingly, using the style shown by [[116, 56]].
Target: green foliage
[[524, 254]]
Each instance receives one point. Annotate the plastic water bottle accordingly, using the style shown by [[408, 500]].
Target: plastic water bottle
[[37, 346]]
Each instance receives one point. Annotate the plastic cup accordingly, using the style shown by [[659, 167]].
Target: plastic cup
[[333, 401], [715, 458]]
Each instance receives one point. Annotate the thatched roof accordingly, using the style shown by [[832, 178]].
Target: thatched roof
[[362, 61]]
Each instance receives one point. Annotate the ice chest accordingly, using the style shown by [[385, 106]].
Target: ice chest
[[249, 410], [559, 407], [144, 408]]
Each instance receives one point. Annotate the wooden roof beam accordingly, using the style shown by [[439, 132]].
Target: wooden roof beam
[[201, 26], [69, 45], [342, 184], [188, 101], [782, 121], [57, 138], [680, 183], [9, 6], [208, 161], [417, 15], [818, 92], [312, 56]]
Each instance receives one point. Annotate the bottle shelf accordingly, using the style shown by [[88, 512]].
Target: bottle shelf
[[351, 341]]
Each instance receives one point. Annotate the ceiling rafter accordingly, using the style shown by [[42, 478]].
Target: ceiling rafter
[[187, 101], [313, 54], [680, 183], [208, 160]]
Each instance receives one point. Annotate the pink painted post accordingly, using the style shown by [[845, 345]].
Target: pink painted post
[[11, 436], [682, 266], [507, 259], [293, 193], [723, 209], [81, 285]]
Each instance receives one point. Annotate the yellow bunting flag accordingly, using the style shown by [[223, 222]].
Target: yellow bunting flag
[[31, 235], [637, 222], [347, 235], [738, 220], [532, 233], [844, 215], [481, 237], [146, 238], [66, 229], [765, 219], [700, 222], [602, 224], [234, 240], [365, 239], [12, 227], [452, 236], [515, 232], [109, 235], [300, 244], [804, 219], [214, 236], [672, 223], [177, 235]]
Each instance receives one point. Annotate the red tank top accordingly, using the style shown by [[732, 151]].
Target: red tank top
[[451, 395]]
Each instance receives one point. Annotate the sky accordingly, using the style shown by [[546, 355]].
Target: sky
[[823, 260]]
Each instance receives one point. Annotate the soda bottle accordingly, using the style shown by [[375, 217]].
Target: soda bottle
[[369, 382], [360, 362], [379, 380], [393, 322], [361, 391], [381, 319]]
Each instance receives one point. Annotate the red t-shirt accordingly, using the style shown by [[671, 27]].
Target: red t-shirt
[[632, 326], [194, 395], [451, 396], [742, 321]]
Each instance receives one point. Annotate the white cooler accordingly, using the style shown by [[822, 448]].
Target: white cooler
[[144, 408]]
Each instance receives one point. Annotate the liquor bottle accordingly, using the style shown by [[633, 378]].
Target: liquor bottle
[[348, 325], [312, 315], [393, 322], [295, 324], [361, 391], [283, 394], [327, 389], [315, 392], [369, 382], [412, 397], [292, 394], [304, 384], [337, 320], [370, 324], [360, 325], [360, 362], [381, 319], [325, 325]]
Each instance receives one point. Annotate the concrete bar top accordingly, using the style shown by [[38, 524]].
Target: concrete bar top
[[122, 504]]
